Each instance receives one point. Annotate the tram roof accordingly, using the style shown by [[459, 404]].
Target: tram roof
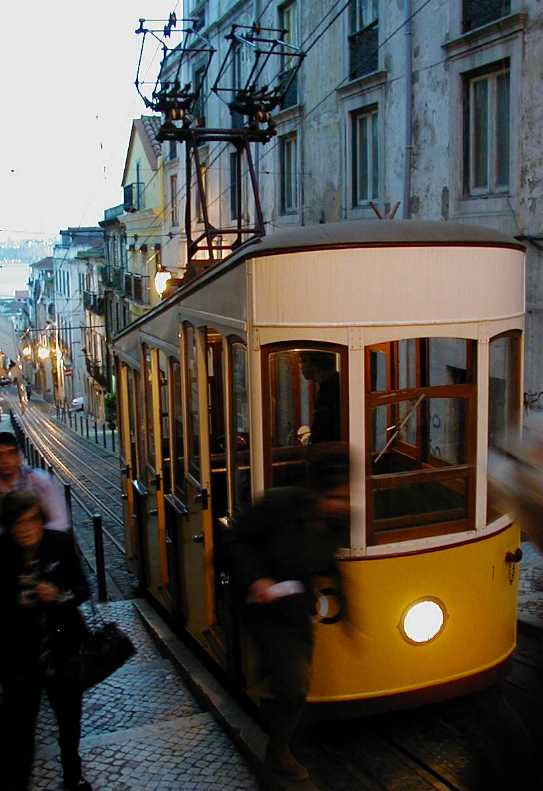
[[345, 235]]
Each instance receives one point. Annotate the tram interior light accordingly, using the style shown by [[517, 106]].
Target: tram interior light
[[423, 620]]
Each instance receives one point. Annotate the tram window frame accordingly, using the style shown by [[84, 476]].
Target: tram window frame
[[132, 386], [164, 421], [237, 504], [400, 528], [140, 421], [149, 407], [514, 411], [299, 346], [195, 471], [177, 417]]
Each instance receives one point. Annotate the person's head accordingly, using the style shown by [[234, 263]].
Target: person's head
[[23, 518], [10, 455], [329, 477], [317, 366]]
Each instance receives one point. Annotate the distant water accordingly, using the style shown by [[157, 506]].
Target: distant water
[[13, 277]]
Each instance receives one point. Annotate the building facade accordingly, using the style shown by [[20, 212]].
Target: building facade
[[38, 368], [429, 109], [97, 380], [143, 213], [68, 365]]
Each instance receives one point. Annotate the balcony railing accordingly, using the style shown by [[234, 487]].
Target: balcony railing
[[97, 372], [139, 291], [114, 212], [133, 194], [93, 302]]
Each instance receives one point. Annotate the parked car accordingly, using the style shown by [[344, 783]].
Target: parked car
[[77, 405], [5, 380]]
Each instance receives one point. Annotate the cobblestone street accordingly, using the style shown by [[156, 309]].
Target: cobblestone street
[[142, 728]]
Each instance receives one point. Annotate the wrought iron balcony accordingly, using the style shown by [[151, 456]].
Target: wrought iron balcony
[[97, 372], [93, 302]]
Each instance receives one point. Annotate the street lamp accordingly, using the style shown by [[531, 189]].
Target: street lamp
[[27, 352], [43, 353], [161, 280]]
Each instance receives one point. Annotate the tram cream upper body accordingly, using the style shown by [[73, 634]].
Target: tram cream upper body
[[391, 286], [355, 284]]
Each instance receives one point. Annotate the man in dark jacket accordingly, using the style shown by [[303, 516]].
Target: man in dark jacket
[[41, 585], [274, 549]]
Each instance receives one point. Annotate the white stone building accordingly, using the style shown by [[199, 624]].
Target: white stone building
[[435, 104], [69, 368]]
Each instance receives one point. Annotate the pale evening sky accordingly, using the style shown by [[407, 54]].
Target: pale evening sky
[[67, 83]]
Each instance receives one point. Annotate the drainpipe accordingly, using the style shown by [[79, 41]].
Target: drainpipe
[[406, 212]]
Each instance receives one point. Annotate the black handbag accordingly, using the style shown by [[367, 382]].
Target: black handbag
[[102, 650]]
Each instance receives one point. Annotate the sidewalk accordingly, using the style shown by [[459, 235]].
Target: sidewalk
[[143, 729]]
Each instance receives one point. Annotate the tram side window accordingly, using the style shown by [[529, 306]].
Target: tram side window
[[420, 468], [306, 403], [193, 407], [504, 388], [149, 408], [177, 443], [217, 434], [133, 424], [240, 428], [164, 418]]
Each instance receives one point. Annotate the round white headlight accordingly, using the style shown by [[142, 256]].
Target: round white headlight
[[423, 620]]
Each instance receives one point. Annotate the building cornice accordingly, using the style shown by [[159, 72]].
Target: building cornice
[[486, 35], [362, 84]]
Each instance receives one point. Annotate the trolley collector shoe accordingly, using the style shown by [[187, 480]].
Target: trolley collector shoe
[[284, 764]]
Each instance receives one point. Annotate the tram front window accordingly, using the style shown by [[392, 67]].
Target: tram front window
[[305, 405], [421, 446]]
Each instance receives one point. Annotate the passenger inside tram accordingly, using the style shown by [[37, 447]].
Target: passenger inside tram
[[305, 409], [320, 367]]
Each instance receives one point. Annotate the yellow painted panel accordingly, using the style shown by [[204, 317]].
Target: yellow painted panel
[[366, 655]]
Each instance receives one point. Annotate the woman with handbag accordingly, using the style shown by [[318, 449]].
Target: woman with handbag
[[41, 586]]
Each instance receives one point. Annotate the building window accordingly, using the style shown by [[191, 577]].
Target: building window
[[174, 216], [199, 82], [288, 174], [476, 13], [363, 38], [235, 185], [172, 154], [288, 21], [365, 146], [487, 131], [202, 185]]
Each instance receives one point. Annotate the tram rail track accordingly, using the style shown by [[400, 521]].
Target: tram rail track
[[57, 437], [33, 427]]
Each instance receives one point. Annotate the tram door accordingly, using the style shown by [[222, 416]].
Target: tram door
[[155, 381], [128, 457], [196, 531]]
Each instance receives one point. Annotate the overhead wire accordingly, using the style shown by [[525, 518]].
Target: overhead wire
[[270, 149]]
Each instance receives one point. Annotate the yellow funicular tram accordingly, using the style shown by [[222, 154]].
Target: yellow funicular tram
[[419, 327]]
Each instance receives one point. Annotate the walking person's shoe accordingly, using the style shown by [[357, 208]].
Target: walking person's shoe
[[77, 784], [283, 763]]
